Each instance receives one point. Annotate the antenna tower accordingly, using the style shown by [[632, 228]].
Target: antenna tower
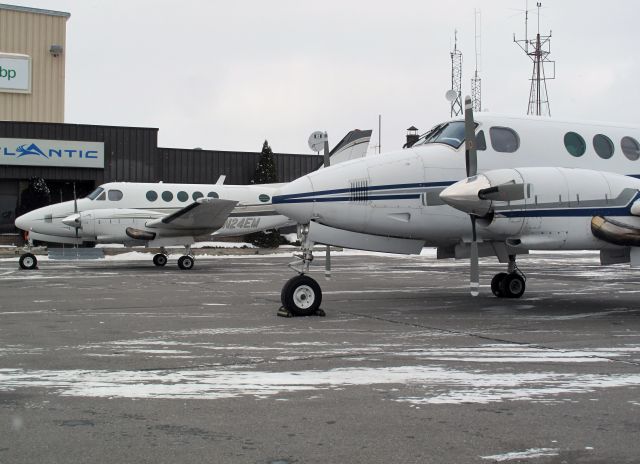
[[538, 51], [456, 78], [476, 82]]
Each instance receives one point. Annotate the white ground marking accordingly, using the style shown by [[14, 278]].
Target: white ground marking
[[440, 385], [528, 454]]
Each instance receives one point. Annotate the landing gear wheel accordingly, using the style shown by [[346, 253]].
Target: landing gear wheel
[[301, 296], [186, 262], [160, 259], [495, 284], [512, 286], [28, 261]]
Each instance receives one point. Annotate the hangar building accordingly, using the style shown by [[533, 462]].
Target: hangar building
[[35, 141]]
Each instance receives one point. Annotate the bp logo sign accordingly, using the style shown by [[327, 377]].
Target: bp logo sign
[[15, 73]]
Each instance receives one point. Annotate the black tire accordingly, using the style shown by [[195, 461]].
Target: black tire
[[186, 262], [495, 284], [28, 261], [512, 286], [301, 296], [160, 259]]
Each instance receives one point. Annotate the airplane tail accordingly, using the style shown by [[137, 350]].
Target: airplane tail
[[354, 145]]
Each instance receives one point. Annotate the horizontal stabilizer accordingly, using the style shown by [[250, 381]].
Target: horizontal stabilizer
[[354, 145], [203, 214]]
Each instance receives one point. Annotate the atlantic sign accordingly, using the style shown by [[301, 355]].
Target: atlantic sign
[[51, 153], [15, 73]]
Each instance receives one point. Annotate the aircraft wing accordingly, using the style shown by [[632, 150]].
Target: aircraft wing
[[203, 214]]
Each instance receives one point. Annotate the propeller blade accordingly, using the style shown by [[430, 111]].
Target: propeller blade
[[505, 192], [474, 273], [471, 156], [327, 262]]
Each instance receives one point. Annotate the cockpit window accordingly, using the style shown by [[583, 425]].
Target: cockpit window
[[102, 196], [93, 195], [451, 133], [114, 195]]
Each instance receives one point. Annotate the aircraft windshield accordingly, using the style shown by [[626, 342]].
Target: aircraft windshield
[[93, 195], [451, 133]]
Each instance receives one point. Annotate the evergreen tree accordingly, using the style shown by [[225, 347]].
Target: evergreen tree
[[266, 168], [265, 174], [36, 195]]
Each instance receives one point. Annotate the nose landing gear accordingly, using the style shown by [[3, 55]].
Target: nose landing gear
[[301, 295]]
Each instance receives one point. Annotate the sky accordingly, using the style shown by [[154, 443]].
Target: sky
[[225, 75]]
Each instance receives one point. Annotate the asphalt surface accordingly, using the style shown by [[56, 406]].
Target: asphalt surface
[[119, 361]]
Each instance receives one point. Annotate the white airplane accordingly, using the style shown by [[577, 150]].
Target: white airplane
[[159, 214], [539, 184]]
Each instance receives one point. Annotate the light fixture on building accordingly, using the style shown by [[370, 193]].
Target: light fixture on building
[[55, 50]]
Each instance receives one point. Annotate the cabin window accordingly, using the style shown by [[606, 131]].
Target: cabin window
[[481, 143], [630, 148], [196, 195], [182, 196], [504, 139], [102, 196], [167, 195], [114, 195], [603, 146], [152, 195], [93, 195], [213, 195], [575, 144]]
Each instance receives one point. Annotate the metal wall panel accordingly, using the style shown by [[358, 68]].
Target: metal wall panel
[[130, 152], [32, 34], [206, 166]]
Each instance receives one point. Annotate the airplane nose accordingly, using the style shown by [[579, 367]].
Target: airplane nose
[[25, 222], [463, 195], [296, 200]]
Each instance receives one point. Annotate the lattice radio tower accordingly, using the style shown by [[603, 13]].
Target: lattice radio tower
[[476, 82], [456, 78], [538, 50]]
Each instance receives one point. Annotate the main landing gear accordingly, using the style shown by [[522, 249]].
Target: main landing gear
[[510, 284], [185, 262], [301, 295]]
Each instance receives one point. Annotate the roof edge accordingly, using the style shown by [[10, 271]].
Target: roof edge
[[27, 9]]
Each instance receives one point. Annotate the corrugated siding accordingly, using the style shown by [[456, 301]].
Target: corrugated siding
[[130, 153], [33, 34], [205, 166]]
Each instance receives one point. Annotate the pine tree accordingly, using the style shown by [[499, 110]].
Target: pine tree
[[265, 174], [266, 168], [35, 196]]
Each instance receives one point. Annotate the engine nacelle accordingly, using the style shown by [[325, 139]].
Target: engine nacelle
[[553, 208], [114, 225]]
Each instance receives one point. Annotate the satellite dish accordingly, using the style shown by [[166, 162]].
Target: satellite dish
[[451, 95], [317, 140]]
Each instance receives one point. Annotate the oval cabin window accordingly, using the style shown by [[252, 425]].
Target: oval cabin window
[[630, 148], [603, 146], [152, 196], [167, 195], [196, 195], [182, 196], [575, 144]]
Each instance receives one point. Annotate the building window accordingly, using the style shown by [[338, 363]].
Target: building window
[[167, 195], [152, 195], [603, 146], [213, 195], [114, 195], [197, 195], [504, 139], [630, 148], [575, 144], [182, 196]]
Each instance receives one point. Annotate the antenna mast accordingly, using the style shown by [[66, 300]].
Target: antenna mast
[[539, 54], [476, 82], [456, 78]]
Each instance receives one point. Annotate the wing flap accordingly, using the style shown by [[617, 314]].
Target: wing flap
[[203, 214]]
